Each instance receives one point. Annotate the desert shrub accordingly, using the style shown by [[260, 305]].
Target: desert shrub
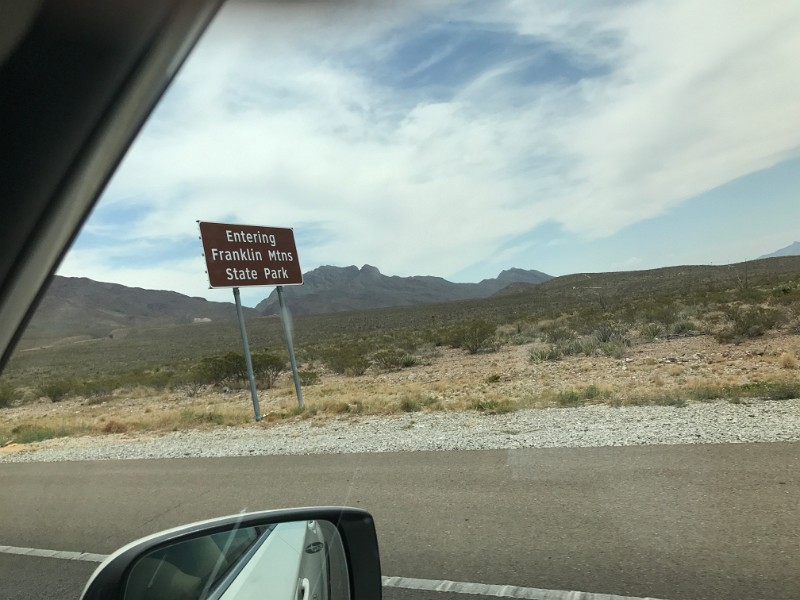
[[748, 322], [658, 311], [772, 390], [683, 327], [578, 397], [474, 336], [267, 367], [113, 426], [492, 406], [668, 399], [493, 378], [589, 346], [409, 404], [349, 359], [569, 398], [393, 359], [223, 369], [574, 347], [190, 387], [707, 393], [347, 407], [408, 360], [787, 361], [431, 402], [158, 378], [8, 395], [96, 390], [592, 392], [518, 333], [58, 389], [308, 377], [651, 331], [189, 417], [26, 434], [547, 355], [607, 332], [554, 333], [617, 348]]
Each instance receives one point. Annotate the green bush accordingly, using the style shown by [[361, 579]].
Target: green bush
[[474, 336], [578, 397], [408, 360], [550, 354], [569, 398], [26, 434], [748, 322], [589, 347], [346, 407], [97, 389], [608, 332], [409, 404], [431, 402], [616, 348], [393, 359], [267, 367], [348, 359], [651, 331], [772, 390], [556, 334], [683, 327], [658, 311], [191, 416], [308, 377], [668, 399], [492, 406], [223, 369], [58, 389], [8, 395]]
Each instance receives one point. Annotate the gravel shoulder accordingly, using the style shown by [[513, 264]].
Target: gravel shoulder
[[589, 426]]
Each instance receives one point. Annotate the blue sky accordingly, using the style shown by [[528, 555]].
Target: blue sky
[[462, 138]]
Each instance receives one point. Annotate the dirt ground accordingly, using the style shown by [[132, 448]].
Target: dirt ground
[[449, 379]]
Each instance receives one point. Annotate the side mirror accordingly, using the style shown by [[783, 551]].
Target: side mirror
[[297, 554]]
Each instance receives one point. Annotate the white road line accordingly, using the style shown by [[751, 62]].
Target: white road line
[[499, 591], [408, 583], [62, 554]]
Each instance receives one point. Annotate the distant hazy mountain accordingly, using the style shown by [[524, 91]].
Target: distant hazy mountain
[[336, 289], [79, 306], [791, 250]]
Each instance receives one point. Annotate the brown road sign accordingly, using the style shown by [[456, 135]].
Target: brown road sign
[[248, 255]]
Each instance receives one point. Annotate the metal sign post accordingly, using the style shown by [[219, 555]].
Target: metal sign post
[[288, 329], [247, 256], [248, 361]]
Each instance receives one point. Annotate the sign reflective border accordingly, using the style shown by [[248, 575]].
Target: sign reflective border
[[249, 255]]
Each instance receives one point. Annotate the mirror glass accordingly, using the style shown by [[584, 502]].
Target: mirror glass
[[298, 560]]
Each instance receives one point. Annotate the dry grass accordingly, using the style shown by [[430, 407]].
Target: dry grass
[[664, 373]]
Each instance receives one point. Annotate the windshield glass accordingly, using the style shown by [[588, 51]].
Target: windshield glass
[[547, 332]]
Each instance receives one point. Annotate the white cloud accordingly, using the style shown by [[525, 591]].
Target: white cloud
[[271, 124]]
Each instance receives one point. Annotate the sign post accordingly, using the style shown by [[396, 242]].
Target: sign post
[[248, 360], [248, 256], [287, 328]]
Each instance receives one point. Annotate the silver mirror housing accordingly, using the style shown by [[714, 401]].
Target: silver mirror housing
[[325, 553]]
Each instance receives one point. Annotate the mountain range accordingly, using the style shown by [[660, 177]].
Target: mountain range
[[77, 307], [790, 250], [336, 289]]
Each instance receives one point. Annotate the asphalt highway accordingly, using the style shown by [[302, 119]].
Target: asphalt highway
[[672, 522]]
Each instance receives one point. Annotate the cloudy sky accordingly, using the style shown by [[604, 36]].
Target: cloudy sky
[[459, 138]]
